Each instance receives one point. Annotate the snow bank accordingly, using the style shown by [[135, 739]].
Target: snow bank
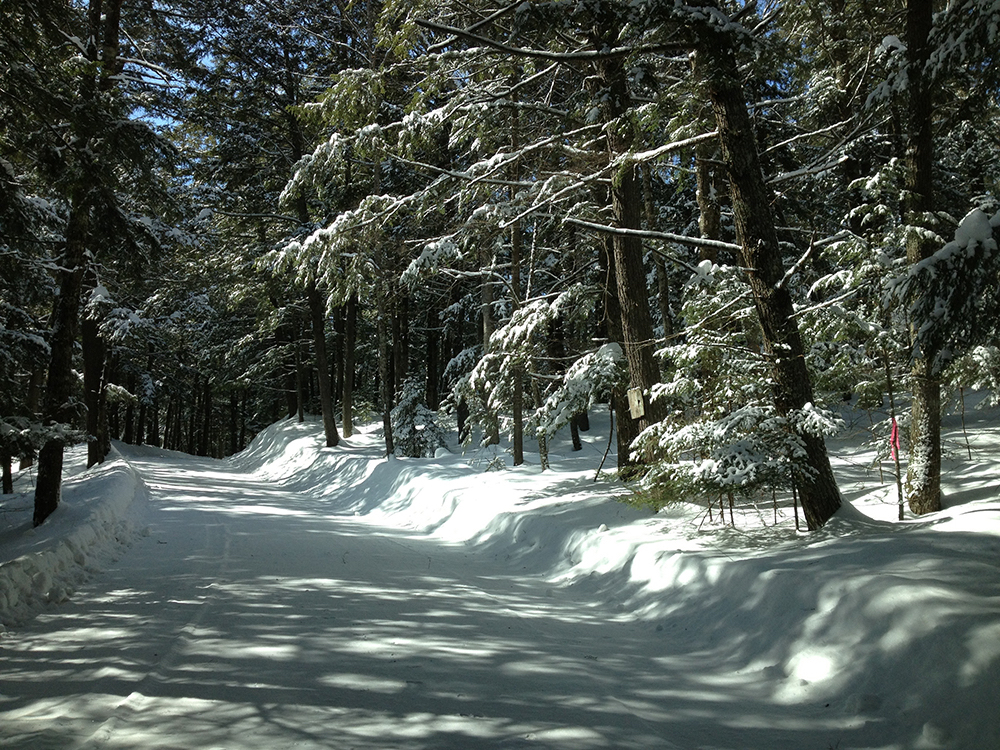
[[94, 521], [891, 626]]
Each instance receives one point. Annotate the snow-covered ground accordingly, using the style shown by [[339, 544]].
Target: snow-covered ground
[[298, 596]]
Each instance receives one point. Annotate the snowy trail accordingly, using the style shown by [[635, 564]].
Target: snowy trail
[[251, 616], [295, 597]]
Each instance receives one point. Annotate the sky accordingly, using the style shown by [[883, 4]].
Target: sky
[[300, 596]]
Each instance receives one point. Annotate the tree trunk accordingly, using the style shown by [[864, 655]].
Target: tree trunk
[[923, 471], [433, 395], [517, 376], [94, 365], [93, 385], [300, 383], [30, 407], [350, 335], [637, 338], [58, 408], [192, 421], [153, 433], [400, 341], [627, 428], [234, 410], [317, 308], [761, 256], [8, 473], [140, 431], [492, 427], [128, 433], [382, 334], [337, 353], [206, 424], [60, 385], [243, 419]]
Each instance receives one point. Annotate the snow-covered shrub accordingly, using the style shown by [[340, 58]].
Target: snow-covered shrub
[[743, 453], [414, 426], [977, 370], [724, 436], [590, 380], [953, 296]]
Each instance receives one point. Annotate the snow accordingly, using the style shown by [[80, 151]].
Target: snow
[[300, 596]]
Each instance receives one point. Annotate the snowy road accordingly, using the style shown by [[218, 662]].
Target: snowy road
[[252, 617], [304, 598]]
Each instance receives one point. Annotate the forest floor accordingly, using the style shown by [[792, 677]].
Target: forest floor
[[296, 596]]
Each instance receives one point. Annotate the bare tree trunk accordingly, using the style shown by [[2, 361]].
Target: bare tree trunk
[[34, 394], [517, 376], [923, 471], [337, 352], [234, 406], [94, 363], [317, 308], [626, 250], [153, 433], [761, 255], [627, 428], [350, 335], [60, 385], [432, 394], [492, 427], [206, 424], [300, 382], [400, 341], [8, 473], [382, 334], [243, 418]]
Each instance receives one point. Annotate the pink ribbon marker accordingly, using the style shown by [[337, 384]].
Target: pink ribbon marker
[[894, 440]]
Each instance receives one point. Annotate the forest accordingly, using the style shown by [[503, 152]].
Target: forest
[[717, 220]]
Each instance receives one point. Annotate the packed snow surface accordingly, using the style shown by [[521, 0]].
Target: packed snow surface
[[306, 597]]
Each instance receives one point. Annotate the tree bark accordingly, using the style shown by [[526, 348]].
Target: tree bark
[[492, 427], [234, 408], [432, 393], [400, 341], [58, 405], [517, 376], [30, 407], [317, 308], [8, 473], [206, 424], [382, 334], [923, 471], [626, 250], [627, 428], [350, 335], [761, 256]]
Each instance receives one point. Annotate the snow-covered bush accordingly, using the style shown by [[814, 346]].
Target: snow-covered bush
[[953, 296], [590, 380], [724, 436], [414, 426]]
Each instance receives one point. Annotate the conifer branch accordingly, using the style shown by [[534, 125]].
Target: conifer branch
[[577, 56], [652, 235]]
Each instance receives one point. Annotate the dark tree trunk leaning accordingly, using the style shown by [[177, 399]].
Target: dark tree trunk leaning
[[350, 335], [57, 405], [761, 256]]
